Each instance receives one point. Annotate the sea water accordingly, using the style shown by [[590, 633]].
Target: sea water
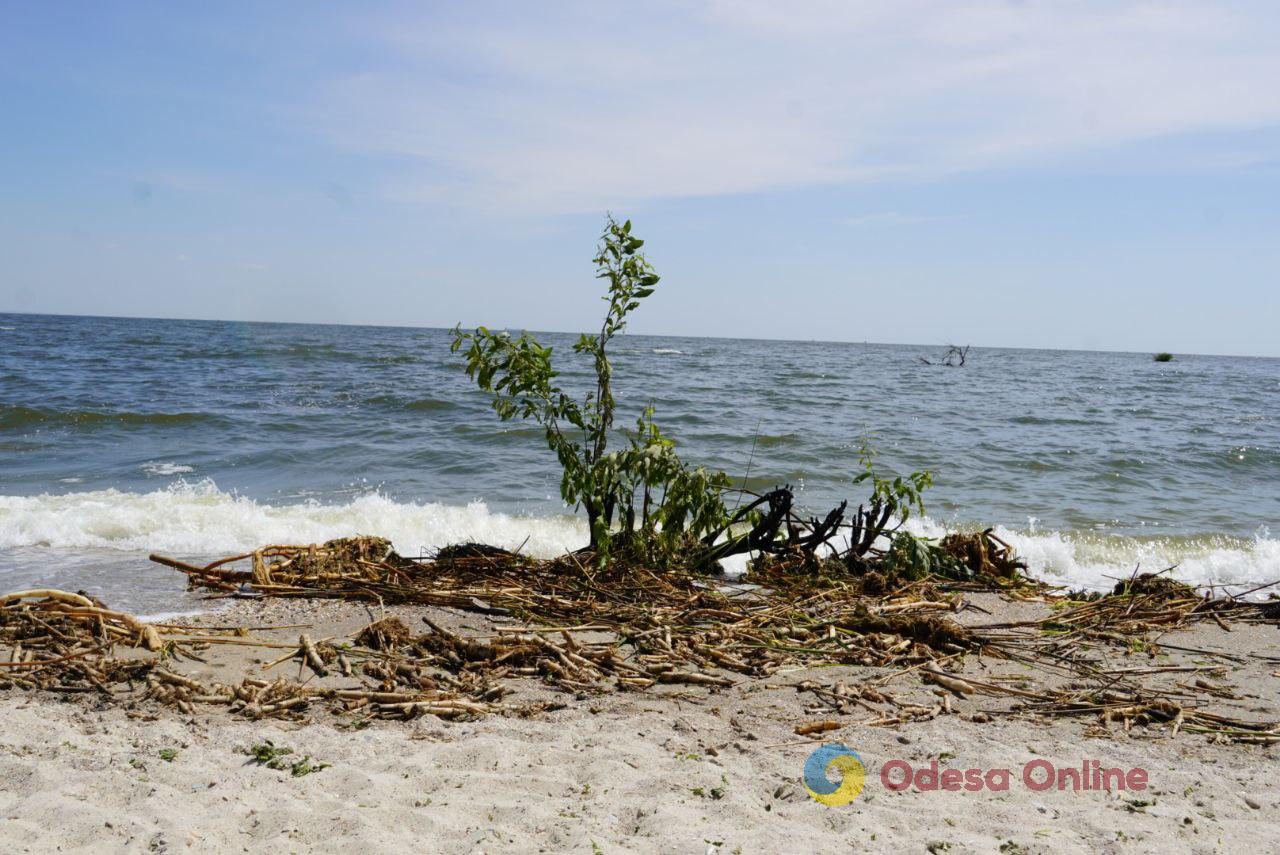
[[198, 439]]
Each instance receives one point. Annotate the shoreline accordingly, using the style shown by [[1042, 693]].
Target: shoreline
[[1078, 560], [672, 768]]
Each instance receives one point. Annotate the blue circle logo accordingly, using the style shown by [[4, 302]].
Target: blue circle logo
[[817, 775]]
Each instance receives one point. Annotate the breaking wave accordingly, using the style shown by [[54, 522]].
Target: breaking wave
[[1096, 561], [200, 519]]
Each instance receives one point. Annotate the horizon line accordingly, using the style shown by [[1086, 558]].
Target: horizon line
[[649, 335]]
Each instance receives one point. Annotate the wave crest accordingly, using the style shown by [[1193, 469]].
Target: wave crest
[[15, 417], [1096, 561], [201, 519]]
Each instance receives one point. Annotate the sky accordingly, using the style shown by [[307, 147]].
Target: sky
[[1082, 175]]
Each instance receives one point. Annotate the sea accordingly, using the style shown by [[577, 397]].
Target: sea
[[120, 437]]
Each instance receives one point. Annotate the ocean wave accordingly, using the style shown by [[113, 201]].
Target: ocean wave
[[200, 519], [299, 349], [16, 417], [667, 351], [428, 404], [398, 402], [1095, 561], [761, 440]]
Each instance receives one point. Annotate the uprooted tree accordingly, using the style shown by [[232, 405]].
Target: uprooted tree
[[642, 495], [643, 499]]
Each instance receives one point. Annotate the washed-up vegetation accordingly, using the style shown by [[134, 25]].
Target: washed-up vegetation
[[585, 631]]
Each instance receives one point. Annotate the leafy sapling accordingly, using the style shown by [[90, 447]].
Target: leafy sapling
[[676, 504]]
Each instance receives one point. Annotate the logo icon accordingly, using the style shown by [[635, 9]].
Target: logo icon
[[818, 770]]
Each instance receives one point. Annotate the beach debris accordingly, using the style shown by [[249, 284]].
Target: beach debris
[[312, 656], [984, 554], [85, 609], [71, 644], [1136, 609], [386, 634], [955, 685], [817, 727], [625, 627], [472, 550], [338, 562]]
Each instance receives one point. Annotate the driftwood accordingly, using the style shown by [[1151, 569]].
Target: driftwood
[[954, 357]]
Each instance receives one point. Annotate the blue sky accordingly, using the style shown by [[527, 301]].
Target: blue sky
[[1043, 174]]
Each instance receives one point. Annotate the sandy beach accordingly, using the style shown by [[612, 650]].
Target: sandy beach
[[666, 770]]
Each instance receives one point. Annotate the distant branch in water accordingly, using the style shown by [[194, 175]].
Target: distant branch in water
[[954, 357]]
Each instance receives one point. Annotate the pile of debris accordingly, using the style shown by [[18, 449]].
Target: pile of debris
[[585, 630]]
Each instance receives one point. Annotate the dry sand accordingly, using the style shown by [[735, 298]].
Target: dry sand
[[686, 771]]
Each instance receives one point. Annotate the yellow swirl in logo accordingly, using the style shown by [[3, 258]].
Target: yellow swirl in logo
[[818, 767]]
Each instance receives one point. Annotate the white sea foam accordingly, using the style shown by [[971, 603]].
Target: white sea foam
[[1090, 561], [164, 468], [1096, 562], [167, 617], [668, 350], [201, 519]]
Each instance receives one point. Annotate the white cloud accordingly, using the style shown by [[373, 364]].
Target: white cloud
[[594, 106]]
